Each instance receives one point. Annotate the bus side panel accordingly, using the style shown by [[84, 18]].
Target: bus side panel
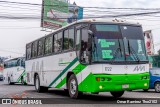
[[61, 65], [11, 73], [29, 72], [52, 70]]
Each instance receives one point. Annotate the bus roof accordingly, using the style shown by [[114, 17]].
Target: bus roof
[[111, 21], [13, 59]]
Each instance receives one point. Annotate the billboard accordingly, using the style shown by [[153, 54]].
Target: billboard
[[59, 13], [149, 42]]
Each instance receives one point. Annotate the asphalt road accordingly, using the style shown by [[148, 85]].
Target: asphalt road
[[61, 97]]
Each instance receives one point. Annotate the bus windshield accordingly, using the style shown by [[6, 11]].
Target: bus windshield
[[135, 45], [109, 44]]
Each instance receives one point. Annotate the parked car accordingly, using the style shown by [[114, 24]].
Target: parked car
[[1, 76], [154, 79]]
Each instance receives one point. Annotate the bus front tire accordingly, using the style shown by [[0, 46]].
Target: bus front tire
[[157, 87], [72, 86], [38, 87], [117, 94]]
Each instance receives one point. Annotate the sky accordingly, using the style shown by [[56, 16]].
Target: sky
[[14, 34]]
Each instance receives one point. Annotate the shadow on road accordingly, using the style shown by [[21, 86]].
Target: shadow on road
[[63, 98], [141, 91], [86, 98]]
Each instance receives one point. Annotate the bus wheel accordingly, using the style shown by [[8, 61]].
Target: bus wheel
[[22, 81], [9, 81], [117, 94], [157, 87], [38, 87], [73, 87]]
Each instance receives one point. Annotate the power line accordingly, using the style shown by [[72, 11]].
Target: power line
[[98, 11], [12, 6], [23, 28], [20, 14], [103, 16], [34, 4], [2, 50]]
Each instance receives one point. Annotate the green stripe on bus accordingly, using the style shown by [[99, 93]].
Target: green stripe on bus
[[18, 80], [76, 70], [70, 65], [61, 83]]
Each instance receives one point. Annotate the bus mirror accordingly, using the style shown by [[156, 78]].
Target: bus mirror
[[90, 35], [90, 32]]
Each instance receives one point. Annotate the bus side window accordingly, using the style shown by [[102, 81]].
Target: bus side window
[[68, 43], [18, 63], [48, 45], [55, 43], [23, 62], [40, 48], [58, 42], [71, 38], [66, 40], [34, 50], [28, 53]]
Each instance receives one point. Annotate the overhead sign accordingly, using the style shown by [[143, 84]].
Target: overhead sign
[[149, 42], [59, 13]]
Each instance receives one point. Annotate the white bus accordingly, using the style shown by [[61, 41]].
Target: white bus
[[89, 56], [14, 71]]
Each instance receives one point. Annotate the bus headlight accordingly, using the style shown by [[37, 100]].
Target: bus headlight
[[100, 87], [145, 84]]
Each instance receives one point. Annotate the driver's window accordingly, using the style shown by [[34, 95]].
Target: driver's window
[[23, 62], [84, 41], [78, 35], [18, 62]]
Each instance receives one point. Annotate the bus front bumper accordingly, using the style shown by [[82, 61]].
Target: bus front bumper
[[104, 83]]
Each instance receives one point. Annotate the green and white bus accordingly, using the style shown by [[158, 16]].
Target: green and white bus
[[14, 71], [89, 56]]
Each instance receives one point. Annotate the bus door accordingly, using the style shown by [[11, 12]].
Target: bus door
[[81, 49]]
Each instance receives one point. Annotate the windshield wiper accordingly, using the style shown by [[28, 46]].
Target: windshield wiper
[[94, 50], [116, 52], [133, 52]]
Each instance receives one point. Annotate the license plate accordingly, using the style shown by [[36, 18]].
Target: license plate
[[125, 86]]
